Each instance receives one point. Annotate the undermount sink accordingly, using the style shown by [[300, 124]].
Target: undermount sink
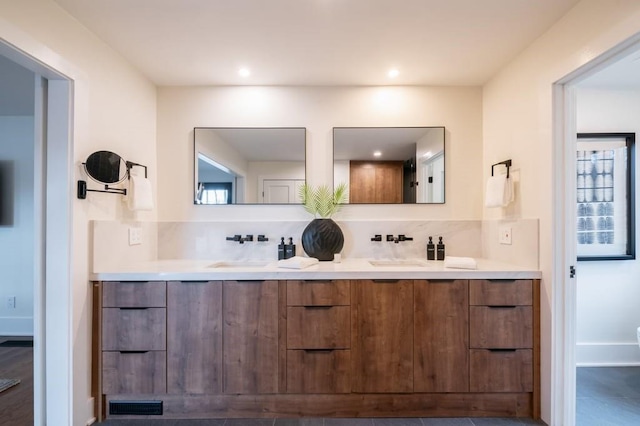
[[239, 264], [399, 262]]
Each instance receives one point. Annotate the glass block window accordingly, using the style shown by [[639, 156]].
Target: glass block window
[[604, 190]]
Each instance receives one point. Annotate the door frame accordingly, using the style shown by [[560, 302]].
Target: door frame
[[564, 291], [53, 194]]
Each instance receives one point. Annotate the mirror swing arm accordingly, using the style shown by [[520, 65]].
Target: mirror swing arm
[[82, 184]]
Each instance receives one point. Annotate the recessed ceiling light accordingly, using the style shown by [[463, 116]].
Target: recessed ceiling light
[[393, 73], [377, 153], [244, 72]]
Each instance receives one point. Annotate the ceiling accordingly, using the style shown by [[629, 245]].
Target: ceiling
[[318, 42]]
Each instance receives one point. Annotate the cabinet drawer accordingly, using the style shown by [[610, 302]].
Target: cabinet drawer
[[309, 293], [500, 292], [501, 327], [501, 370], [134, 294], [326, 327], [134, 372], [138, 329], [318, 371]]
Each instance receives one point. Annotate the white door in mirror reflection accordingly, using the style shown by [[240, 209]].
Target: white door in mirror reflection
[[431, 181], [281, 191]]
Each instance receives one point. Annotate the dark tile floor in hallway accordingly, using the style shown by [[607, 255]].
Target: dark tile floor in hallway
[[608, 396]]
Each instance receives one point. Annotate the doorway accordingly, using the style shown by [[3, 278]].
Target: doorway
[[565, 217], [52, 233]]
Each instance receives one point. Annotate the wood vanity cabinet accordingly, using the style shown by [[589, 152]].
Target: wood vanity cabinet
[[318, 337], [320, 348], [501, 336], [382, 336], [194, 337], [441, 336], [133, 337], [250, 336]]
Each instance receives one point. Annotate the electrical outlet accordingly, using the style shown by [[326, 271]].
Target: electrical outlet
[[505, 235], [11, 302], [135, 235]]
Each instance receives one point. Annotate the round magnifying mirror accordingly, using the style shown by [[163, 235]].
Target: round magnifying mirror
[[106, 167]]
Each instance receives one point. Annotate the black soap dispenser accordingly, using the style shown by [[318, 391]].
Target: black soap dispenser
[[440, 249], [431, 250], [281, 249], [289, 249]]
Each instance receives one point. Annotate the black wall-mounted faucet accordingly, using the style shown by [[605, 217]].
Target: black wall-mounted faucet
[[399, 238], [240, 239]]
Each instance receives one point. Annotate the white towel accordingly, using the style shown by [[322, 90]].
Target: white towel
[[139, 195], [297, 262], [460, 262], [499, 191]]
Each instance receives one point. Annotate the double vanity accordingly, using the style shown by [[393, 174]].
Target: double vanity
[[359, 338]]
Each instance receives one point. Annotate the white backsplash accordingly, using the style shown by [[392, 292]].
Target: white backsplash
[[207, 240]]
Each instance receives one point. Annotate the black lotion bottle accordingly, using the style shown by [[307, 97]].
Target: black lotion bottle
[[289, 249], [440, 249], [431, 250], [281, 251]]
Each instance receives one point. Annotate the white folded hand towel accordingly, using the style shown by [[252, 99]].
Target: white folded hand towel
[[460, 262], [297, 262], [139, 196], [499, 191]]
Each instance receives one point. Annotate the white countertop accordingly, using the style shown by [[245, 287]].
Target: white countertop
[[201, 270]]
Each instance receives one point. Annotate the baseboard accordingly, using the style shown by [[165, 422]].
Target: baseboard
[[607, 354], [16, 326]]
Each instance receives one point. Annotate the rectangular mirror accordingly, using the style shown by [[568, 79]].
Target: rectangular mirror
[[248, 165], [390, 165]]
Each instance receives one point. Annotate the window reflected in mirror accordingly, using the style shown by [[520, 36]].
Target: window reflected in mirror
[[248, 165], [390, 165]]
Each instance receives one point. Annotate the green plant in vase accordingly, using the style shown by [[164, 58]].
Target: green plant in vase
[[322, 238]]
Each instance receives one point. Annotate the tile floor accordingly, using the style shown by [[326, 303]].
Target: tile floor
[[608, 396]]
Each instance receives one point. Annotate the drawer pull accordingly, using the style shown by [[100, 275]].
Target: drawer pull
[[441, 281], [385, 281], [133, 309], [196, 282], [319, 281], [502, 307], [319, 350], [503, 281], [502, 350], [318, 306], [250, 281], [133, 352]]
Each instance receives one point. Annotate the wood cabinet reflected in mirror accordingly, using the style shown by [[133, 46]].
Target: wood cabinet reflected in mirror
[[248, 165], [390, 165]]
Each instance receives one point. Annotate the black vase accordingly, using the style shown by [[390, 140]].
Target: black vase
[[322, 238]]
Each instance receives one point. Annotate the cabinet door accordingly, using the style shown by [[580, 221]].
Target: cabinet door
[[194, 337], [382, 336], [441, 336], [250, 333]]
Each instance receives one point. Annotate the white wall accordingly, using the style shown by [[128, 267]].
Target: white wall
[[17, 223], [319, 109], [517, 124], [609, 291], [114, 109]]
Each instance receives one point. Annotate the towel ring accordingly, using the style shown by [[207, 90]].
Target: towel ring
[[506, 163]]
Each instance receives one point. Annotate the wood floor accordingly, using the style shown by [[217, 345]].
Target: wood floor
[[16, 403]]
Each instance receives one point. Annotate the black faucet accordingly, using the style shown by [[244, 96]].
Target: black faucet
[[400, 237], [240, 239]]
